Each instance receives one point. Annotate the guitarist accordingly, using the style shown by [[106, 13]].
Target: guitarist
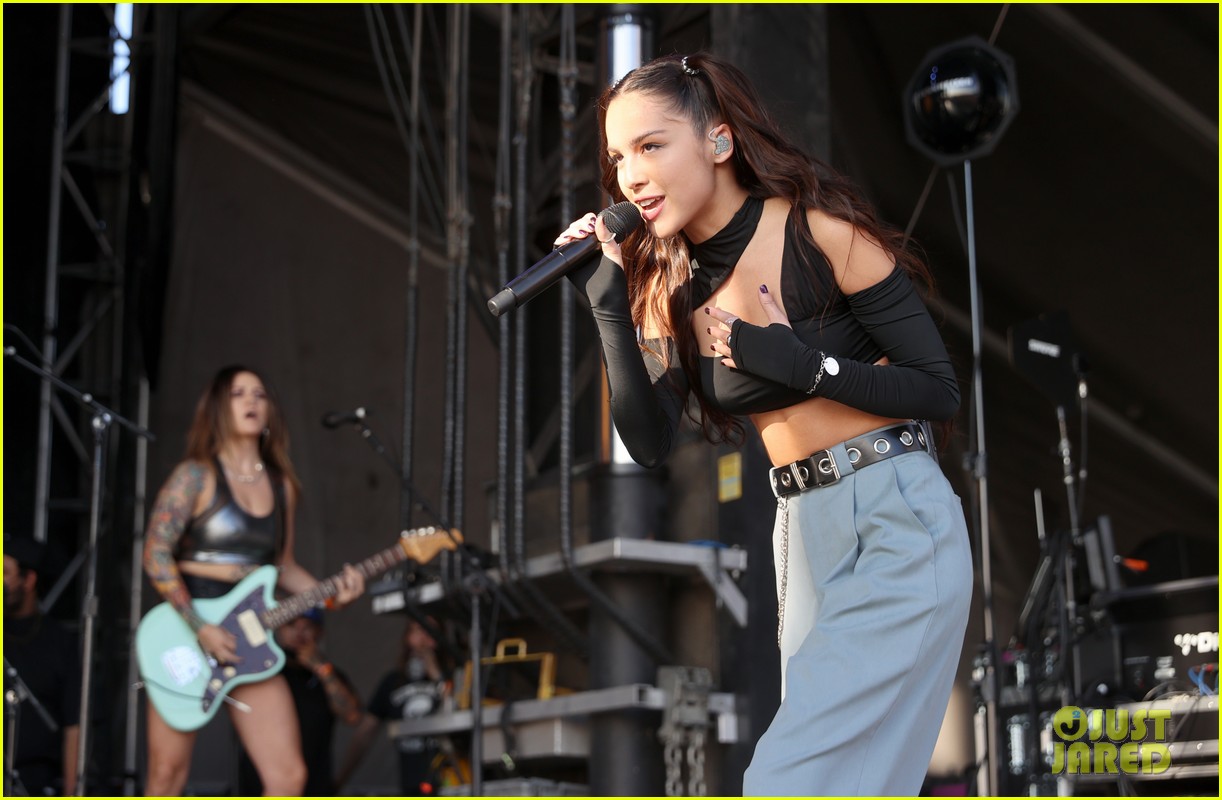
[[226, 510]]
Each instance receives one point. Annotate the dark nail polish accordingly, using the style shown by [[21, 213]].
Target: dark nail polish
[[706, 309], [764, 289]]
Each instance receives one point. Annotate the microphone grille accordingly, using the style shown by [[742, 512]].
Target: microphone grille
[[621, 220]]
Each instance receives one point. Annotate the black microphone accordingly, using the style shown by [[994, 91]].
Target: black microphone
[[333, 419], [621, 220]]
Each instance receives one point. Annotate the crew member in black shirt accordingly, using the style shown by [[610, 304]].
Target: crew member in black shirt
[[43, 656]]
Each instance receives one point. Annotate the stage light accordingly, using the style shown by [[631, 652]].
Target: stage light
[[120, 64], [958, 104], [960, 101]]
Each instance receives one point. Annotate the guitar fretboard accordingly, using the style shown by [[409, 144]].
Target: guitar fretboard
[[293, 607]]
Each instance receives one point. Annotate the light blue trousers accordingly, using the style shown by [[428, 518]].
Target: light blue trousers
[[877, 593]]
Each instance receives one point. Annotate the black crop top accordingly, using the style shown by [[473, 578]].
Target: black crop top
[[887, 319], [832, 328], [226, 534]]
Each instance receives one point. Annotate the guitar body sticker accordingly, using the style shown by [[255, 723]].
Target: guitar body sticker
[[182, 663]]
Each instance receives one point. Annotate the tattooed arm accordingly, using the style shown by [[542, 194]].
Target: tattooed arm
[[171, 512], [188, 486], [341, 697]]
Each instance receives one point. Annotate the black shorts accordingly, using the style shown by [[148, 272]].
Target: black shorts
[[205, 588]]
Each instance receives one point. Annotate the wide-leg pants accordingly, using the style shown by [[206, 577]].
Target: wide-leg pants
[[877, 593]]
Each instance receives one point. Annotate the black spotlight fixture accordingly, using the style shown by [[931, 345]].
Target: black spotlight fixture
[[960, 101]]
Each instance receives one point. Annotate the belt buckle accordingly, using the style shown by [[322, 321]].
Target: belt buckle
[[800, 476], [826, 465]]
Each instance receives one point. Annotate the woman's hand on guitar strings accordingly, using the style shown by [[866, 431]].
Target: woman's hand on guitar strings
[[349, 585]]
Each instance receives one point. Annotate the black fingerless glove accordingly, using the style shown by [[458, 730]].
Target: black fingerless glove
[[775, 353], [919, 382]]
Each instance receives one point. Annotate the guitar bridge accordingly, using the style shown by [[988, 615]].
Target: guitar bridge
[[252, 628]]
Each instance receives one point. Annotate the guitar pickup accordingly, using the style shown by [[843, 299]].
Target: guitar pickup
[[252, 628]]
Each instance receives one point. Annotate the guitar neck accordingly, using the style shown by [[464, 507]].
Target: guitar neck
[[293, 607]]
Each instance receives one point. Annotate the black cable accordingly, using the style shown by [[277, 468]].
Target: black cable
[[411, 343], [387, 69], [568, 79], [501, 207], [461, 44], [26, 340], [517, 527]]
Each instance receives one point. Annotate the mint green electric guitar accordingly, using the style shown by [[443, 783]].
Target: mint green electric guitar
[[187, 687]]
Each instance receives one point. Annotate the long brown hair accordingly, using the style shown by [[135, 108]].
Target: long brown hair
[[213, 424], [766, 164]]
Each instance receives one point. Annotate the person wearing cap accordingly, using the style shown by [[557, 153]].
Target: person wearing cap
[[43, 657]]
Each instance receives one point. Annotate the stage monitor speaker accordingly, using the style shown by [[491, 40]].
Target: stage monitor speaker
[[1044, 352], [1157, 633]]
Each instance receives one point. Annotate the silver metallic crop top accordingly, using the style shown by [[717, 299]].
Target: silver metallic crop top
[[227, 534]]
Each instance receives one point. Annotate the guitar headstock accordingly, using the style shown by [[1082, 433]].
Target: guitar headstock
[[423, 544]]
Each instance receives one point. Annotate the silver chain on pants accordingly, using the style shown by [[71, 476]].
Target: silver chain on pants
[[782, 510]]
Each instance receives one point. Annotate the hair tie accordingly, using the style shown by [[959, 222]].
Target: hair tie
[[688, 69]]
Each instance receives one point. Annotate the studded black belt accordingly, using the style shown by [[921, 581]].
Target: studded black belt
[[821, 469]]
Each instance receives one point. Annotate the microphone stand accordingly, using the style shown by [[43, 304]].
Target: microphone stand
[[1070, 622], [477, 584], [17, 693], [977, 462], [102, 419]]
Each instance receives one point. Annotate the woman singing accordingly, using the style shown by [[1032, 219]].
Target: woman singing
[[766, 288], [226, 510]]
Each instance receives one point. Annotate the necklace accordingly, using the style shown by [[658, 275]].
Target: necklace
[[247, 477]]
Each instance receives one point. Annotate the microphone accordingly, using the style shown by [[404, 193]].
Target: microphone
[[621, 220], [333, 419]]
